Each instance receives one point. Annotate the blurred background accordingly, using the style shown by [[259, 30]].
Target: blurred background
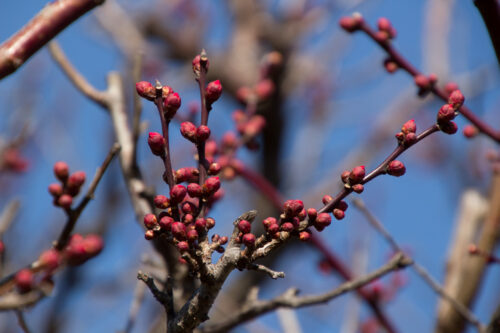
[[334, 107]]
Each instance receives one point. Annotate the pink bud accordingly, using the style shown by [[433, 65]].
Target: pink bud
[[396, 168], [146, 90], [183, 246], [312, 213], [323, 220], [150, 221], [390, 65], [456, 99], [200, 224], [210, 222], [446, 113], [50, 259], [342, 205], [410, 139], [188, 130], [197, 62], [292, 208], [55, 189], [345, 176], [338, 213], [326, 199], [449, 127], [161, 201], [358, 188], [350, 24], [223, 240], [171, 104], [65, 201], [93, 245], [213, 91], [194, 190], [244, 226], [450, 87], [248, 240], [268, 221], [156, 143], [177, 193], [76, 179], [287, 226], [305, 235], [214, 169], [264, 88], [384, 24], [409, 127], [202, 133], [273, 228], [422, 81], [149, 234], [179, 230], [357, 174], [470, 131], [212, 184], [166, 223], [192, 235], [24, 280], [61, 170]]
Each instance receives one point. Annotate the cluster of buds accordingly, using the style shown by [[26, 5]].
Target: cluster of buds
[[351, 23], [79, 250], [352, 179], [408, 135], [448, 112], [289, 221], [196, 135], [262, 90], [248, 127], [68, 187], [245, 236], [171, 101], [424, 83], [385, 31], [11, 160]]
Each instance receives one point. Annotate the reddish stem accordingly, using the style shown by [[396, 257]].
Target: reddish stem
[[409, 68], [50, 21]]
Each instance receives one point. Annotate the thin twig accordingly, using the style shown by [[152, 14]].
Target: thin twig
[[21, 321], [75, 213], [140, 288], [378, 226], [162, 297], [136, 120], [8, 215], [273, 274], [289, 299], [75, 77]]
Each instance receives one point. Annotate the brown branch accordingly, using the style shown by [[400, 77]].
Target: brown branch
[[378, 226], [21, 321], [74, 76], [289, 299], [51, 20], [490, 12]]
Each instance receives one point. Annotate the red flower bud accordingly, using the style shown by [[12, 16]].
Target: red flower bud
[[292, 208], [358, 188], [183, 246], [345, 176], [55, 189], [61, 170], [210, 222], [200, 224], [456, 99], [422, 81], [409, 127], [390, 65], [171, 104], [342, 205], [449, 127], [213, 91], [268, 221], [450, 87], [166, 223], [312, 213], [287, 226], [93, 245], [273, 228], [323, 220], [410, 139], [161, 201], [197, 63], [446, 113], [65, 201], [192, 235], [149, 234], [350, 24], [179, 230], [223, 240], [188, 130], [212, 185], [244, 226], [150, 221], [357, 174], [470, 131], [146, 90], [202, 133], [214, 169], [194, 190], [396, 168], [24, 280], [248, 240], [264, 88], [156, 143], [188, 218], [50, 259], [384, 24], [76, 179], [305, 235], [326, 199], [338, 213], [177, 193]]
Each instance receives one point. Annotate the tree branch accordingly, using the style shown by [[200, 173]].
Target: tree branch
[[490, 12]]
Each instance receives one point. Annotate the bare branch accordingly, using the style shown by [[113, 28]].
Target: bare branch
[[273, 274], [490, 11], [289, 299], [75, 77], [50, 21], [8, 215]]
